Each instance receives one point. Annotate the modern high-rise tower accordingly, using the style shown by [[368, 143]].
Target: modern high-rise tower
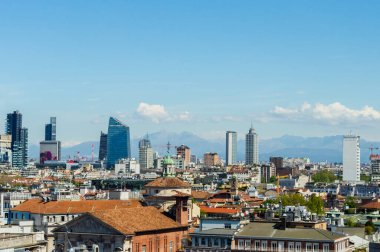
[[231, 147], [50, 149], [251, 147], [19, 141], [118, 142], [351, 158], [51, 130], [103, 146], [145, 153]]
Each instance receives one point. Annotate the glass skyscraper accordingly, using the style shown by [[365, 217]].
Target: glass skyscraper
[[103, 146], [50, 130], [118, 142], [19, 142]]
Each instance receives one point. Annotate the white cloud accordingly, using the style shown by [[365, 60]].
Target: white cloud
[[154, 112], [185, 116], [70, 143], [334, 113]]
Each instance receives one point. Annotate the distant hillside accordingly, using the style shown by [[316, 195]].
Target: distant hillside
[[316, 148]]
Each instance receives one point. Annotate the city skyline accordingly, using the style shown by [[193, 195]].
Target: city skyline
[[199, 67]]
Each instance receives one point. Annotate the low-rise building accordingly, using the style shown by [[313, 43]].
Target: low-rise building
[[121, 230]]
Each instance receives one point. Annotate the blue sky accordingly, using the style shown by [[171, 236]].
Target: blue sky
[[308, 68]]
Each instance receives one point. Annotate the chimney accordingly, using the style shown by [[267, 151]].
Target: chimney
[[283, 221]]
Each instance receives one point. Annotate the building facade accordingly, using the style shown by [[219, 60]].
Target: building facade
[[127, 230], [351, 158], [103, 146], [211, 159], [118, 142], [231, 147], [251, 147], [145, 154], [184, 152], [51, 130], [19, 136], [50, 151], [6, 149]]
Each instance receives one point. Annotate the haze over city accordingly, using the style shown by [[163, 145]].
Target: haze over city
[[200, 66]]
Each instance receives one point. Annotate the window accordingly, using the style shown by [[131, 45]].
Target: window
[[316, 247], [158, 244], [247, 245], [257, 245], [274, 246], [62, 218], [203, 242], [291, 246], [216, 242], [240, 244], [309, 247], [223, 243], [281, 246], [227, 225], [171, 246], [143, 248], [298, 247], [264, 245]]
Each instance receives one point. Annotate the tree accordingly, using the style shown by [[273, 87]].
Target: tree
[[315, 204], [351, 222], [325, 176], [272, 179], [350, 201]]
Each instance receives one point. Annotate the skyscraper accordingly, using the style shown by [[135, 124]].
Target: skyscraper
[[50, 130], [184, 152], [351, 158], [118, 142], [231, 147], [145, 153], [19, 141], [251, 147], [50, 149], [103, 146]]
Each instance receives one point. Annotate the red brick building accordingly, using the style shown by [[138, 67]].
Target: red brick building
[[142, 229]]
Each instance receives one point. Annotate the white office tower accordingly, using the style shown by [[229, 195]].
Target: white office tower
[[231, 147], [351, 158], [251, 147]]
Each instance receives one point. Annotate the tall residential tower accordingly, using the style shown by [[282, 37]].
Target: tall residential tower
[[19, 139], [231, 147], [351, 158], [145, 153], [251, 147]]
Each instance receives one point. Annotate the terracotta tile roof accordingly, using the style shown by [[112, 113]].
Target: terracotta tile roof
[[219, 210], [37, 206], [130, 221], [200, 194], [371, 205], [168, 183]]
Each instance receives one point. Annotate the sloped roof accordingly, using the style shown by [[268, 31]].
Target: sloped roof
[[200, 194], [168, 182], [130, 221], [219, 210], [37, 206], [268, 230], [371, 205]]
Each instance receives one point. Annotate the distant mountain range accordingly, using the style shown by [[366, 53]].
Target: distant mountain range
[[318, 149]]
